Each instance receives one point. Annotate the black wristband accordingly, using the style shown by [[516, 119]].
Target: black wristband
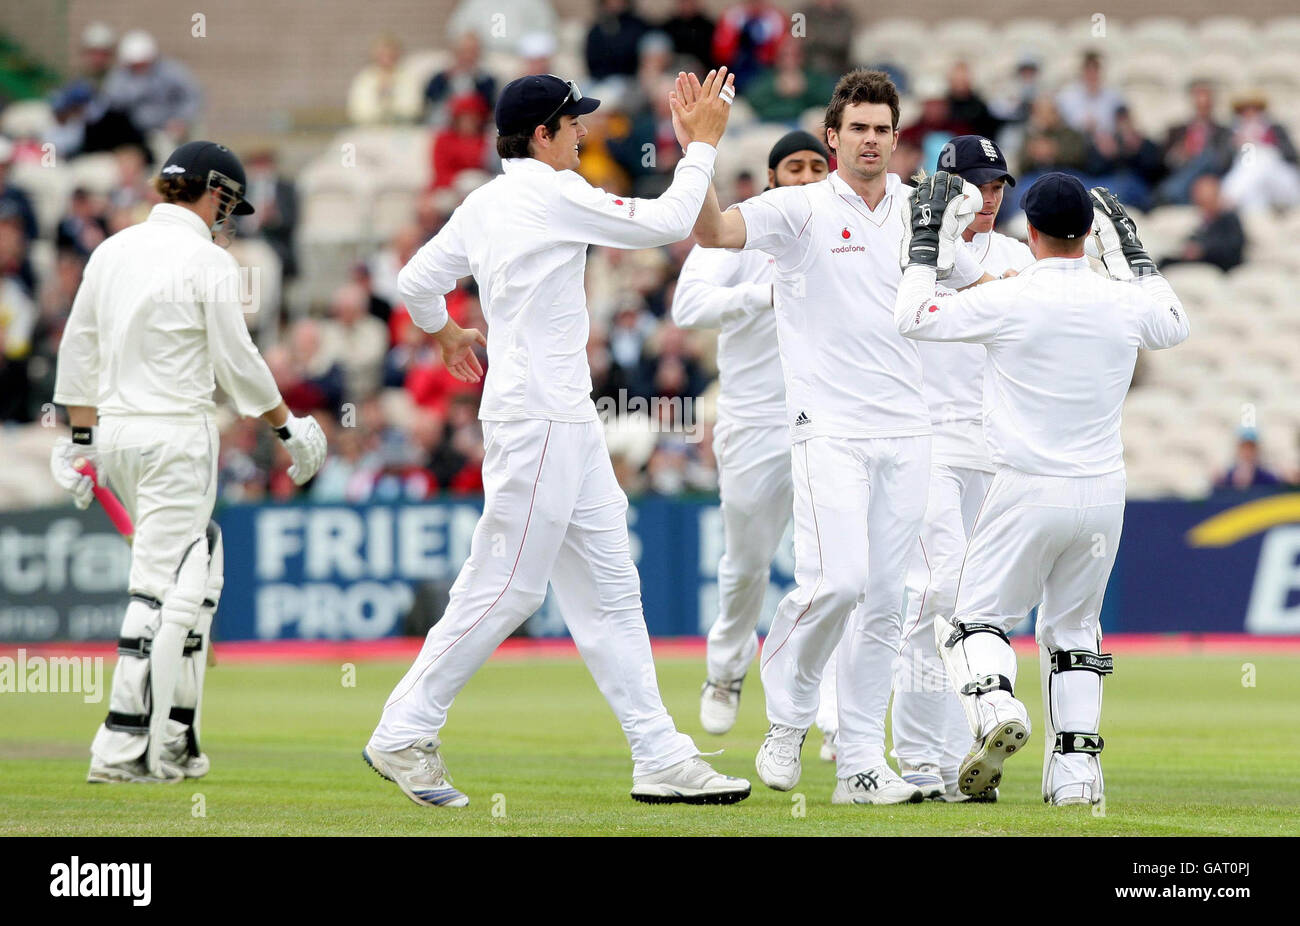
[[283, 432], [83, 436]]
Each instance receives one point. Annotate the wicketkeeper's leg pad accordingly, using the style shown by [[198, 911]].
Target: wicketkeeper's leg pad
[[981, 665], [1072, 682]]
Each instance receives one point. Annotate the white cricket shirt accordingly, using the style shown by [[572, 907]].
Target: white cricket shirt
[[157, 319], [847, 371], [732, 291], [524, 237], [954, 373], [1062, 342]]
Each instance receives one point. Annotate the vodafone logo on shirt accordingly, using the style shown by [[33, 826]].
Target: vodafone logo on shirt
[[847, 235]]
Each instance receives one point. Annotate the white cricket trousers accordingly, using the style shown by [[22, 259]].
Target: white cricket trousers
[[858, 505], [164, 471], [928, 722], [756, 498], [553, 510], [1048, 539]]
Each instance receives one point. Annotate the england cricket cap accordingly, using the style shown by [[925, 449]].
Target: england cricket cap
[[200, 158], [531, 101], [975, 159], [1059, 206]]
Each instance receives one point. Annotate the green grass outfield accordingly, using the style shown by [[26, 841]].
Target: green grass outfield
[[1190, 750]]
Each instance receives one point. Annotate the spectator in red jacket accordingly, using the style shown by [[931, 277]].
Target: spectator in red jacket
[[462, 145], [747, 37]]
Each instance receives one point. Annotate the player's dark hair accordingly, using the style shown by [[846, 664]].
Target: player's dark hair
[[181, 189], [862, 86], [515, 145]]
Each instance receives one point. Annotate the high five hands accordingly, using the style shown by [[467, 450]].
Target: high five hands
[[700, 111]]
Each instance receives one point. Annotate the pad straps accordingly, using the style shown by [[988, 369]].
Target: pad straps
[[1090, 743], [1065, 660]]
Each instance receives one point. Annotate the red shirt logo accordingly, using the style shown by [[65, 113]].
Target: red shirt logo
[[934, 308], [846, 233]]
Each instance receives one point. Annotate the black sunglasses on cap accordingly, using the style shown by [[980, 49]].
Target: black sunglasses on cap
[[573, 96]]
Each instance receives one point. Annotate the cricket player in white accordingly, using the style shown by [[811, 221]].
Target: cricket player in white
[[861, 434], [1062, 342], [157, 319], [732, 291], [553, 508], [931, 735]]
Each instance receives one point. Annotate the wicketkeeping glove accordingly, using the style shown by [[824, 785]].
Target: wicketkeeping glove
[[63, 457], [1117, 238], [938, 211], [305, 441]]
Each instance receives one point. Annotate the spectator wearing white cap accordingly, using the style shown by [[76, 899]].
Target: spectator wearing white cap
[[97, 42], [158, 94]]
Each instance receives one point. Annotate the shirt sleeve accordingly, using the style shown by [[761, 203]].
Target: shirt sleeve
[[710, 291], [76, 380], [578, 211], [775, 220], [238, 367], [426, 279], [1164, 321], [965, 269], [974, 315]]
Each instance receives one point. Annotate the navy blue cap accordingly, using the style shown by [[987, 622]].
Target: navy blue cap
[[975, 159], [202, 159], [528, 102], [1059, 206]]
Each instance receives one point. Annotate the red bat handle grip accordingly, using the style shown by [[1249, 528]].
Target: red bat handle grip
[[112, 506]]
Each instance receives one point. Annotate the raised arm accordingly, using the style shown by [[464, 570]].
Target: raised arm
[[973, 315], [1165, 322], [577, 211]]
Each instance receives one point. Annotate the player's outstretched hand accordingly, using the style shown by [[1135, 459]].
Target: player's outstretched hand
[[701, 110], [456, 344], [63, 461], [306, 445], [941, 207], [1117, 238]]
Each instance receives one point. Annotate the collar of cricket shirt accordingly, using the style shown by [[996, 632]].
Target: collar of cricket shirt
[[170, 212], [1065, 263], [510, 165]]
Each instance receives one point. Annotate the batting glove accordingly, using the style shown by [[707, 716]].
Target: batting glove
[[63, 459], [305, 441], [1117, 237], [939, 210]]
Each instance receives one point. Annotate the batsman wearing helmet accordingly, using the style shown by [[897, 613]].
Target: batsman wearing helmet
[[156, 324]]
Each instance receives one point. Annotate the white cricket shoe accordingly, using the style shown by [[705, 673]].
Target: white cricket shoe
[[693, 781], [719, 704], [1006, 731], [419, 771], [778, 759], [1075, 795], [135, 771], [879, 785], [192, 766], [827, 752], [925, 776]]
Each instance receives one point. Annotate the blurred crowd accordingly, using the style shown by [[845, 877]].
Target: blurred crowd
[[399, 425]]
